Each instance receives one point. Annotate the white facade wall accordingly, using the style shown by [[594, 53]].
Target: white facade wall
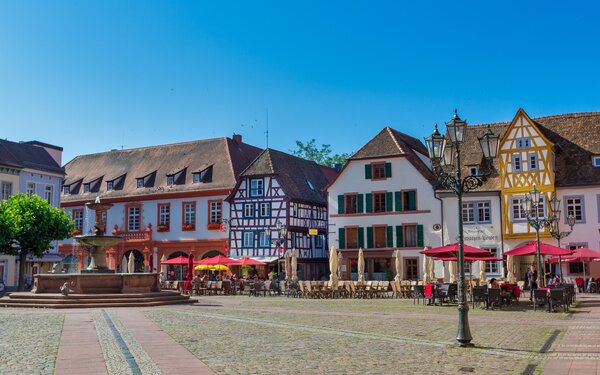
[[404, 177]]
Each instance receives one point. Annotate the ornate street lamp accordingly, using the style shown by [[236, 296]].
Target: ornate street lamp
[[444, 153]]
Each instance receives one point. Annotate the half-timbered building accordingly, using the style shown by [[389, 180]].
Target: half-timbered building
[[169, 200], [558, 155], [279, 204]]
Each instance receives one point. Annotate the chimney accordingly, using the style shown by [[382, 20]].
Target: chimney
[[237, 138]]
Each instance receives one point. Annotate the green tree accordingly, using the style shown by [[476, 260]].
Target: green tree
[[323, 156], [28, 225]]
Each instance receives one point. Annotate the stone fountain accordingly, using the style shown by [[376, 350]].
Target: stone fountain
[[98, 241]]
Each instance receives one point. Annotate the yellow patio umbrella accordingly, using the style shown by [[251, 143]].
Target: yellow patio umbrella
[[294, 265], [510, 264], [482, 275], [431, 270], [452, 270], [426, 261], [398, 265], [333, 267], [288, 264]]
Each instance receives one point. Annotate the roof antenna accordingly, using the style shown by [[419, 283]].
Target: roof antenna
[[267, 132]]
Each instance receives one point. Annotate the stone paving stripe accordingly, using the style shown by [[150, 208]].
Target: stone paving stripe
[[79, 350], [135, 369], [550, 341], [168, 355]]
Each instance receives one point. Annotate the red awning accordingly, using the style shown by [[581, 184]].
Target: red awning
[[531, 248], [580, 255], [470, 258]]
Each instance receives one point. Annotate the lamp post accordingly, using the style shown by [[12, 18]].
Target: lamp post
[[444, 152], [282, 237], [555, 232]]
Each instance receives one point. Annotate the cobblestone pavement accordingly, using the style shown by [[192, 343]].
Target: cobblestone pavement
[[278, 335], [29, 342]]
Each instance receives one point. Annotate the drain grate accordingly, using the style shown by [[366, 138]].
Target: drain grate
[[550, 341], [529, 370], [467, 369]]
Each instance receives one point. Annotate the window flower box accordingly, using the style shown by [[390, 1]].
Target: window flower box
[[162, 228], [75, 232], [213, 226], [188, 227]]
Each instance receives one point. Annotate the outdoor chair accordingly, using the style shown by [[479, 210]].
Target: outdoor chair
[[227, 288], [406, 288], [384, 287], [540, 298], [268, 288], [218, 287], [558, 299], [479, 296], [494, 297], [395, 289], [419, 294]]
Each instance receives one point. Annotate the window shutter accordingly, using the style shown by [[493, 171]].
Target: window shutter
[[368, 171], [390, 236], [340, 204], [342, 238], [389, 203], [388, 170], [420, 235], [412, 201], [399, 241], [369, 202], [360, 203], [361, 237], [370, 237], [398, 199]]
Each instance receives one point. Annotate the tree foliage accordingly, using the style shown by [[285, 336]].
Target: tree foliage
[[322, 155], [28, 225]]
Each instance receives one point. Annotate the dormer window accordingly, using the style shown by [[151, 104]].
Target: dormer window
[[176, 177], [473, 170], [596, 161], [67, 189], [86, 188], [170, 180], [109, 185], [203, 176], [146, 181], [140, 183]]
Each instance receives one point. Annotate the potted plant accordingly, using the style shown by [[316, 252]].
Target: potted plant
[[187, 227], [162, 228]]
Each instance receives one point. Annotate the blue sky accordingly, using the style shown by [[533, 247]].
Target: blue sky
[[93, 76]]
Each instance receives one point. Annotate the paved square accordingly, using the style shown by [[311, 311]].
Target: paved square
[[278, 335]]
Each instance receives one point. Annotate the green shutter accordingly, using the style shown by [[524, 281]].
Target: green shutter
[[370, 237], [398, 199], [412, 200], [368, 171], [369, 202], [342, 238], [389, 203], [399, 241], [361, 237], [419, 235], [340, 204], [360, 205], [388, 170], [390, 236]]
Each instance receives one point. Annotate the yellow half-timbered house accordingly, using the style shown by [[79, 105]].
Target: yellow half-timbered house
[[526, 159]]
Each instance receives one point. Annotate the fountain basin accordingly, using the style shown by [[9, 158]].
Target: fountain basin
[[98, 283]]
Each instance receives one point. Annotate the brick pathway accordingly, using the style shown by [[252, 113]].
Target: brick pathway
[[79, 351]]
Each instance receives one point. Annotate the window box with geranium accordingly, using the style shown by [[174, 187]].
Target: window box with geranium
[[188, 227], [162, 228], [75, 232]]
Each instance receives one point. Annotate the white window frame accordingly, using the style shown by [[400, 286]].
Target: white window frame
[[6, 190], [67, 189], [248, 210], [263, 240], [30, 189], [264, 209], [216, 211], [140, 183], [49, 194], [492, 268], [189, 213], [133, 219], [164, 214], [572, 207], [110, 185], [522, 215], [257, 187], [248, 239], [170, 180], [468, 213]]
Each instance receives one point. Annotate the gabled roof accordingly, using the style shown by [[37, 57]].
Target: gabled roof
[[293, 174], [576, 139], [392, 143], [27, 155], [227, 156]]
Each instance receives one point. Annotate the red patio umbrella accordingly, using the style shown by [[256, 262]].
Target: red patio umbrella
[[531, 249], [190, 270], [470, 258], [216, 261], [179, 261], [245, 261], [451, 251]]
